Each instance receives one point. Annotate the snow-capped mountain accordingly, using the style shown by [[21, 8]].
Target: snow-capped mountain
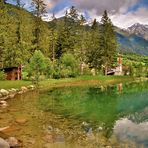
[[139, 29]]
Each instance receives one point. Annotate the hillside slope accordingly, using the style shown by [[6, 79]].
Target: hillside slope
[[131, 43], [9, 19]]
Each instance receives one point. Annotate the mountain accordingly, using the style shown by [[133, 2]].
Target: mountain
[[131, 42], [139, 29]]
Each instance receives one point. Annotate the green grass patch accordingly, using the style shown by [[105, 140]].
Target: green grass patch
[[13, 84], [82, 80]]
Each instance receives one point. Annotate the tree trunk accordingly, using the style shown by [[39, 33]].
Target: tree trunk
[[18, 73], [105, 72]]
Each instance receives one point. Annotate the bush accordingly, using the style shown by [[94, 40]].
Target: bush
[[25, 75], [2, 75], [69, 66], [49, 71]]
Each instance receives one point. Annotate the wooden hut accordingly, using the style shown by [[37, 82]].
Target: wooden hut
[[13, 73]]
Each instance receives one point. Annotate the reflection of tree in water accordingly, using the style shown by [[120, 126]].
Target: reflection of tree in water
[[97, 105]]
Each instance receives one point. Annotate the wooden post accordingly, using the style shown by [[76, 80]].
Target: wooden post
[[18, 73]]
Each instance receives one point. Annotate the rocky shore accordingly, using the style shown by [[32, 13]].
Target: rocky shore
[[11, 93], [5, 141]]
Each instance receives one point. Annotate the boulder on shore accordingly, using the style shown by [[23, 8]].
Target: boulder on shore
[[4, 144], [4, 92], [24, 89]]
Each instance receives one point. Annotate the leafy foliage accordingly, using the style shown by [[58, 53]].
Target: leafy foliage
[[2, 75], [69, 65], [37, 66]]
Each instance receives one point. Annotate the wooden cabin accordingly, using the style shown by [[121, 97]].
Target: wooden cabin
[[13, 73]]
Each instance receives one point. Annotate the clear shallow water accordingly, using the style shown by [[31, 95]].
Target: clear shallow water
[[120, 110]]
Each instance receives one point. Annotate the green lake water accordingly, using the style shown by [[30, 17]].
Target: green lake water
[[77, 114], [121, 110]]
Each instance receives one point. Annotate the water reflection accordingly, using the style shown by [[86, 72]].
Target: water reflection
[[127, 130], [112, 108]]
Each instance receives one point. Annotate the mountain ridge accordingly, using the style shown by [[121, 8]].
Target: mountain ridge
[[139, 29]]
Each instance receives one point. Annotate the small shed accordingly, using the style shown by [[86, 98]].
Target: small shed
[[13, 73]]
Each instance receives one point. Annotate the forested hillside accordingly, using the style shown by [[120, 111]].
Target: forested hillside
[[17, 28], [22, 33]]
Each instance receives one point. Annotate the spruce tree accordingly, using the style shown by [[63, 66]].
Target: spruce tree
[[53, 38], [108, 42], [68, 33], [39, 9], [94, 46], [80, 46]]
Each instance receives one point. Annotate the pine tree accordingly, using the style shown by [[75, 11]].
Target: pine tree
[[94, 46], [39, 9], [53, 37], [80, 46], [108, 42], [68, 33]]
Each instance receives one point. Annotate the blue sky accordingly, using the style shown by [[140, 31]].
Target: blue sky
[[122, 12]]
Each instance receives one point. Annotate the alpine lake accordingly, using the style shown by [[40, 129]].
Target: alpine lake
[[113, 116]]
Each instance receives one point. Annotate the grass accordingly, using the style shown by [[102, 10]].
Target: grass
[[13, 84], [82, 80]]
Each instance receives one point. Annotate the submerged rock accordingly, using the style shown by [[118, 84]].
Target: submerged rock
[[13, 142], [21, 121], [4, 144], [3, 104]]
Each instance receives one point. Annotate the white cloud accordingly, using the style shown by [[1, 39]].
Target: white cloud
[[113, 6], [126, 20]]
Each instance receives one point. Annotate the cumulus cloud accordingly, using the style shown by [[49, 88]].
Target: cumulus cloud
[[113, 6], [126, 20]]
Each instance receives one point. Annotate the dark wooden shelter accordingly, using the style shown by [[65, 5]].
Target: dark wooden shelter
[[13, 73]]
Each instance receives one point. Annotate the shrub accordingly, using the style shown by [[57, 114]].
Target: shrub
[[69, 66], [2, 75]]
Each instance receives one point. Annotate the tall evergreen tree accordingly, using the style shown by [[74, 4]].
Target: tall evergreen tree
[[39, 9], [80, 46], [108, 42], [67, 36], [53, 37], [94, 46]]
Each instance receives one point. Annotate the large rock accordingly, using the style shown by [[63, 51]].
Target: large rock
[[32, 87], [24, 89], [4, 92], [4, 144], [21, 121]]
